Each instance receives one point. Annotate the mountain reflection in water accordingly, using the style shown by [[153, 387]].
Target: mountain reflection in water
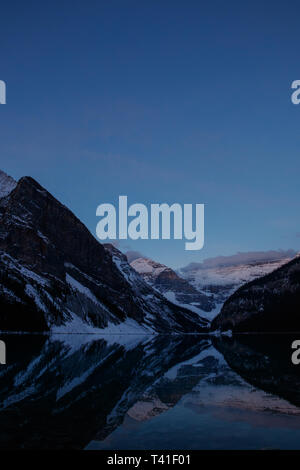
[[162, 392]]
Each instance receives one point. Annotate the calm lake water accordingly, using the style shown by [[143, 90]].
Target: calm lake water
[[162, 392]]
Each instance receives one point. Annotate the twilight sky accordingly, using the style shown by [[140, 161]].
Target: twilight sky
[[162, 101]]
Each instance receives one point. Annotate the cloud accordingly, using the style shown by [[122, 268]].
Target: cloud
[[115, 243], [247, 257], [132, 255]]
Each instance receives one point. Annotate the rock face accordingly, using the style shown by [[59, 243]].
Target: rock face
[[221, 277], [172, 286], [54, 275], [270, 303]]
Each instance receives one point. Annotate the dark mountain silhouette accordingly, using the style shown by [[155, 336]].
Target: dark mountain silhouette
[[54, 275], [270, 303]]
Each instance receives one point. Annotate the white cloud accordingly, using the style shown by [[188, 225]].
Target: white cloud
[[132, 255], [241, 258]]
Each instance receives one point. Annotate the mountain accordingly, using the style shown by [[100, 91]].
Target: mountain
[[220, 277], [268, 304], [7, 184], [172, 286], [54, 275]]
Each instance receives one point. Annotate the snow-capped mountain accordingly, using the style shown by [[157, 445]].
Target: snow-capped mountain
[[172, 286], [54, 275], [204, 287], [268, 304], [221, 277]]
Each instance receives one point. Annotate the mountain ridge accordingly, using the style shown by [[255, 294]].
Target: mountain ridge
[[172, 286], [222, 280], [267, 304], [54, 273]]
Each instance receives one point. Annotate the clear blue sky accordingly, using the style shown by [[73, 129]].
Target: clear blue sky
[[164, 101]]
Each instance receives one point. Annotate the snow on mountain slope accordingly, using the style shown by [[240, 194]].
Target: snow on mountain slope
[[232, 275], [148, 268], [154, 295], [204, 287], [173, 287], [267, 304], [54, 275], [7, 184], [222, 277]]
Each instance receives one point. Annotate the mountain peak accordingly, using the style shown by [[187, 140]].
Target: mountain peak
[[7, 184], [172, 286], [55, 276], [148, 266]]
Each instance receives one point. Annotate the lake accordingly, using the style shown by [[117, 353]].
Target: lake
[[149, 392]]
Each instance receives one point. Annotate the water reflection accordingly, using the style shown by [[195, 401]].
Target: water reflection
[[265, 362], [74, 391]]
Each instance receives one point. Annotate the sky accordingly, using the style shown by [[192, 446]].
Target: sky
[[162, 101]]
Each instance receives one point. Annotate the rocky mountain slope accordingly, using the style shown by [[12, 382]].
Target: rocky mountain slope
[[172, 286], [270, 303], [220, 278], [204, 287], [54, 275]]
